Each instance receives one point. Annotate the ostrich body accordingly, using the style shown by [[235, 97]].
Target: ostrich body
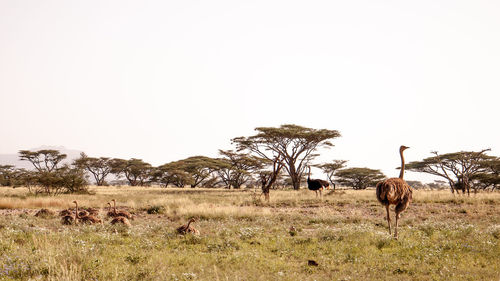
[[395, 191], [68, 219], [121, 213], [83, 213], [187, 228], [110, 213], [121, 220], [315, 184], [85, 219], [66, 212]]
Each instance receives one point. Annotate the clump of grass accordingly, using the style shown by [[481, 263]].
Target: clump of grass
[[153, 210]]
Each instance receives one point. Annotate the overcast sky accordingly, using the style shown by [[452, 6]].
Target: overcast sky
[[165, 80]]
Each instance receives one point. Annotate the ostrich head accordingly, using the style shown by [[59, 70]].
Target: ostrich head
[[402, 148]]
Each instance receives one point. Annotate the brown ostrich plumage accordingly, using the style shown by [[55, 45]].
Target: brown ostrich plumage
[[395, 191], [68, 219], [188, 228], [85, 219], [66, 212], [90, 219], [121, 220], [121, 213]]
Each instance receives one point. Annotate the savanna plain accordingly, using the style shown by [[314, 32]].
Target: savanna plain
[[441, 236]]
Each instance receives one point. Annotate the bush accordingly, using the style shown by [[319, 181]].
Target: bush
[[155, 210]]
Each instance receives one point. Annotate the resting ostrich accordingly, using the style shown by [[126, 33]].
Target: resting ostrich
[[187, 228], [85, 219], [315, 184], [395, 191], [121, 213], [83, 213], [92, 211], [66, 212], [68, 219], [110, 213], [121, 220]]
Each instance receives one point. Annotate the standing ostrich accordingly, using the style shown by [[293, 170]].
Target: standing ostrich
[[121, 213], [85, 219], [395, 191], [315, 184], [187, 228]]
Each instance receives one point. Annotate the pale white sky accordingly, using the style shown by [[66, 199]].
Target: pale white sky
[[165, 80]]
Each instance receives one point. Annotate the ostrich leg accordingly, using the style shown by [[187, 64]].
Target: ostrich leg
[[388, 218]]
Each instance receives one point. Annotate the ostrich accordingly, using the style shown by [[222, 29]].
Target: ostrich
[[83, 213], [68, 219], [110, 213], [66, 212], [121, 213], [85, 219], [187, 228], [315, 184], [395, 191], [121, 220]]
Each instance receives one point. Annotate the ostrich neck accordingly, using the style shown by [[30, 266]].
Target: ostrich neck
[[114, 206], [189, 222], [76, 210], [402, 172]]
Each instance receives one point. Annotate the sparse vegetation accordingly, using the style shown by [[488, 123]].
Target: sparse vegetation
[[346, 234]]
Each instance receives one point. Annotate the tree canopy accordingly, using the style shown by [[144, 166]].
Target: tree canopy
[[292, 145], [359, 178], [331, 168], [458, 168], [98, 167]]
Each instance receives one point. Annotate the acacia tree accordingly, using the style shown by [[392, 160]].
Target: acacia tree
[[331, 168], [271, 160], [168, 174], [98, 167], [7, 175], [236, 168], [293, 145], [45, 160], [136, 171], [359, 178], [50, 177], [490, 177], [200, 168], [458, 168]]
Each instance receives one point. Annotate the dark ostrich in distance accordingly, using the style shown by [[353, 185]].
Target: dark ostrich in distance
[[316, 184], [395, 191]]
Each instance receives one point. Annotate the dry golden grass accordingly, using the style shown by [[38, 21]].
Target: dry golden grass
[[442, 237]]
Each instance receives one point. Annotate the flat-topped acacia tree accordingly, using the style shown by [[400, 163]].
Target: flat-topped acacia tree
[[458, 168], [98, 167], [294, 146]]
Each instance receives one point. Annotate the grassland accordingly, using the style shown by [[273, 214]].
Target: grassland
[[442, 237]]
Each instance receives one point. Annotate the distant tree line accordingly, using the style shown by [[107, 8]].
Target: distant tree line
[[272, 158]]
